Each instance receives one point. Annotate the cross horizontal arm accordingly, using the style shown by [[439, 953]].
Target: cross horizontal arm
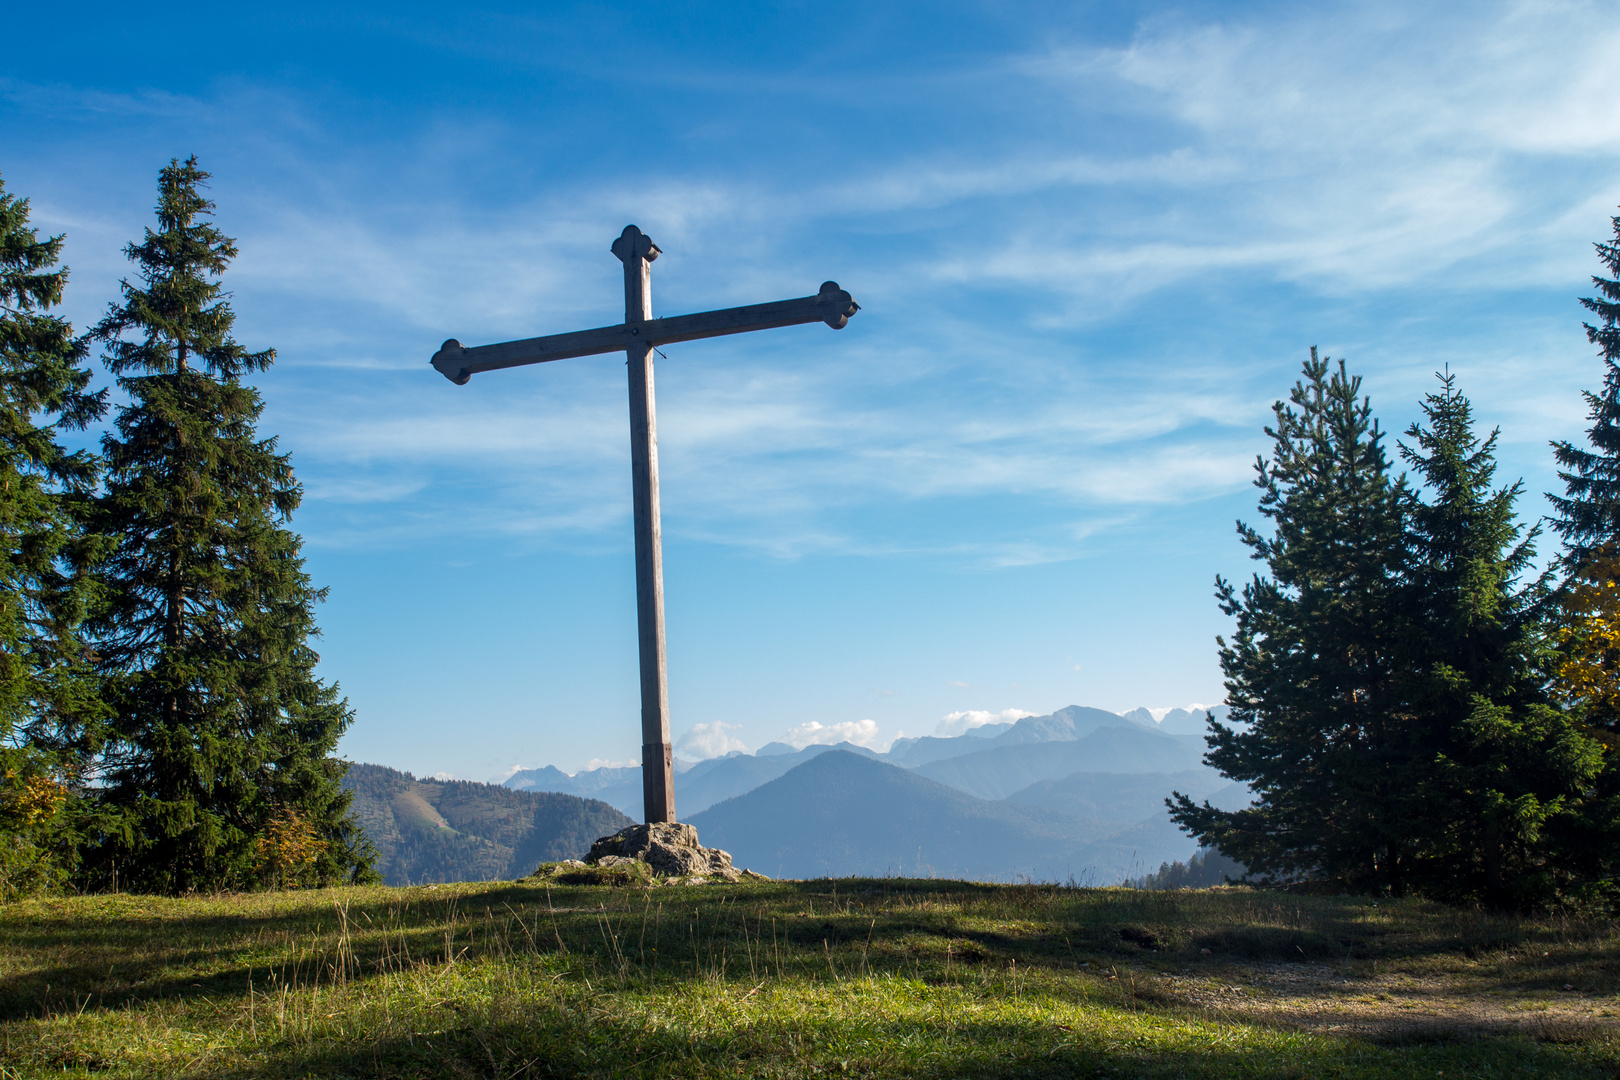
[[831, 305]]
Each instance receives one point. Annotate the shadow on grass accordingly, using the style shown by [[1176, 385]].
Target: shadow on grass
[[991, 1051], [143, 949]]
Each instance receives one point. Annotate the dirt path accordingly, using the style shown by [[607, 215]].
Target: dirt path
[[1395, 1006]]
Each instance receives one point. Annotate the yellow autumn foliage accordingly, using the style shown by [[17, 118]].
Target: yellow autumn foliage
[[1590, 638], [288, 845], [32, 799]]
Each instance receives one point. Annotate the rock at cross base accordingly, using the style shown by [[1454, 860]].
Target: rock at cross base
[[669, 848]]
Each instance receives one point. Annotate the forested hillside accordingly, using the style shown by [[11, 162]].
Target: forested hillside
[[429, 831]]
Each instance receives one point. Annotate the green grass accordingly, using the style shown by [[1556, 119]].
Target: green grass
[[798, 979]]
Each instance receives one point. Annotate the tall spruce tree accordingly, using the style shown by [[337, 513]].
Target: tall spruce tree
[[48, 708], [1508, 769], [1588, 519], [1315, 672], [220, 768], [1588, 513]]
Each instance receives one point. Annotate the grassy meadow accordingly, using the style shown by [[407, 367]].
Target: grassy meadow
[[798, 979]]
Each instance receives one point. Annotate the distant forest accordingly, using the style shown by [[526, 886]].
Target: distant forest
[[431, 831]]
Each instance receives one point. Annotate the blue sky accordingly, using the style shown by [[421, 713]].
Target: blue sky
[[1092, 244]]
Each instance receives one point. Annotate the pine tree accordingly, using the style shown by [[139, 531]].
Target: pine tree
[[1588, 513], [1587, 687], [222, 731], [48, 710], [1316, 674], [1588, 520], [1508, 768]]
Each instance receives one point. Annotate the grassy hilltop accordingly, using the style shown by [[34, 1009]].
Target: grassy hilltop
[[883, 977]]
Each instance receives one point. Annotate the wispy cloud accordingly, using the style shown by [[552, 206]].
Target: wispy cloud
[[1346, 151]]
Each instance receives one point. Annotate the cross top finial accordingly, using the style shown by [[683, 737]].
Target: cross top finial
[[633, 243]]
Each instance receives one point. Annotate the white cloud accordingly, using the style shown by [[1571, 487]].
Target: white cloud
[[1355, 146], [958, 723], [860, 732], [443, 776], [706, 741]]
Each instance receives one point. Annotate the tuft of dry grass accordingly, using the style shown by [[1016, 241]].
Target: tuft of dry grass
[[796, 979]]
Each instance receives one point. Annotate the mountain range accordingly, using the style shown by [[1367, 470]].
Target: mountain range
[[1077, 794]]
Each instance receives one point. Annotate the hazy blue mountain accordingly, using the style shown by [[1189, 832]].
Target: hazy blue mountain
[[586, 782], [1117, 798], [1176, 721], [1148, 844], [429, 831], [1076, 794], [548, 778], [841, 814], [718, 779], [1142, 717], [1132, 851], [1066, 725], [622, 785], [910, 753], [1189, 722], [1001, 770], [697, 786]]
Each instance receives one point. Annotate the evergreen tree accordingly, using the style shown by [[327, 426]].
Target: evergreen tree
[[1587, 686], [219, 769], [1316, 673], [48, 710], [1588, 520], [1508, 768], [1588, 513]]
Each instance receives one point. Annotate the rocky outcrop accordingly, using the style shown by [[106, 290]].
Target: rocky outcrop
[[671, 850]]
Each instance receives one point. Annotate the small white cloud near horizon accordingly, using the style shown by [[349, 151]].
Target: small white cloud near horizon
[[441, 775], [706, 741], [860, 732], [959, 723]]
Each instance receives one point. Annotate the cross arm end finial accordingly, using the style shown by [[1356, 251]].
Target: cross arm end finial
[[835, 305], [632, 243], [448, 360]]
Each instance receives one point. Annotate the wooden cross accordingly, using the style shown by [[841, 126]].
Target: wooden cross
[[637, 336]]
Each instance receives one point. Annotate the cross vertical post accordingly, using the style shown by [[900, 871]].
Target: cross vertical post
[[637, 251]]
